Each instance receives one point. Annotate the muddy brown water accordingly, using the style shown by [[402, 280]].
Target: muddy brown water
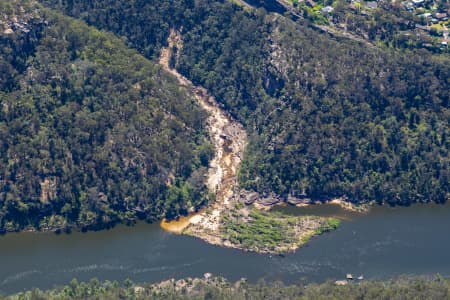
[[383, 244]]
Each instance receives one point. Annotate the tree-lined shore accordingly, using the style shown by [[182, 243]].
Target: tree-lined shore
[[430, 287]]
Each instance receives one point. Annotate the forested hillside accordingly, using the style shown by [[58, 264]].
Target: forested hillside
[[326, 117], [91, 133]]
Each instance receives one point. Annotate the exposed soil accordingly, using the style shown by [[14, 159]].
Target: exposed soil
[[229, 139]]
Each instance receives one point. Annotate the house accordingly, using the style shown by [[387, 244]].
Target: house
[[372, 4], [425, 15], [445, 33], [426, 28], [441, 16], [310, 3], [326, 10], [409, 6]]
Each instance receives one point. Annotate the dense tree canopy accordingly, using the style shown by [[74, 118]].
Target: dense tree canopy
[[91, 132], [326, 117]]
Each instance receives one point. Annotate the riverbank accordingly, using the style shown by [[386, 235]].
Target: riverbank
[[68, 228], [346, 205], [373, 245], [251, 229], [212, 287], [270, 201]]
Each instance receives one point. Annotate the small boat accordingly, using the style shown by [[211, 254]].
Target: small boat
[[360, 277], [349, 276]]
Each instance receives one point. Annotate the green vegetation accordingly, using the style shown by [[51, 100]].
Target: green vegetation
[[433, 287], [273, 232], [330, 224], [91, 132], [329, 117], [393, 24], [313, 14]]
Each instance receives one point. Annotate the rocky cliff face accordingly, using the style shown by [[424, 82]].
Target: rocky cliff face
[[20, 29]]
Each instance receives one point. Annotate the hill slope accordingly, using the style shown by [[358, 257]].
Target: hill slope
[[326, 117], [91, 132]]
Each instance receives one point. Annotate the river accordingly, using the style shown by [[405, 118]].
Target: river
[[380, 245]]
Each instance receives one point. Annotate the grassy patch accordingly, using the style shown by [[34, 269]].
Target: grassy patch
[[273, 232], [328, 225]]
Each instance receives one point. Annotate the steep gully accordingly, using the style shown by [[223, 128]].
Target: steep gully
[[229, 139]]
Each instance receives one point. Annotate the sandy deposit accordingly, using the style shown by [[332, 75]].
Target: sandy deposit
[[229, 139]]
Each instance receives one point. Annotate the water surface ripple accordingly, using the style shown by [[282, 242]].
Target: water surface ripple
[[383, 244]]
